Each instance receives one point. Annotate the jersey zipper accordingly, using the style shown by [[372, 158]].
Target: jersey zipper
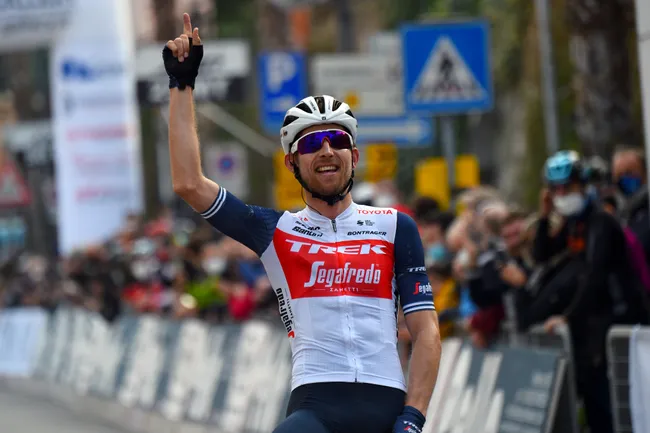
[[334, 225]]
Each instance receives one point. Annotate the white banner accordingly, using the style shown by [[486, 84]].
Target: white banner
[[370, 84], [640, 379], [96, 124], [28, 24], [21, 333]]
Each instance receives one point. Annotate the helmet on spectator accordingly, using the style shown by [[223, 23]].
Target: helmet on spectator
[[316, 110], [564, 167]]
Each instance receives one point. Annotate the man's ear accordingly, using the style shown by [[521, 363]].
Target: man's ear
[[289, 162], [355, 157]]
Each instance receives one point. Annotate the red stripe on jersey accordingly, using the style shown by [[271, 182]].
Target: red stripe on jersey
[[323, 269]]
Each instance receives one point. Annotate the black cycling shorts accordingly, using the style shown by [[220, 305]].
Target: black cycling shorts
[[342, 408]]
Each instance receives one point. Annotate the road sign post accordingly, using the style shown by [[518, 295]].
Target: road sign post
[[448, 139], [447, 71], [282, 80]]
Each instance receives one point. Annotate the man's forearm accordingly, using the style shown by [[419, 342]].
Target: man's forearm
[[183, 141], [423, 370]]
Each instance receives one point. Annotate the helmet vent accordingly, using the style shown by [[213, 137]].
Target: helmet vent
[[304, 107], [320, 101], [289, 120]]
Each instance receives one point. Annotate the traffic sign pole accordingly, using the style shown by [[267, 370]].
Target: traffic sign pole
[[449, 148], [548, 79]]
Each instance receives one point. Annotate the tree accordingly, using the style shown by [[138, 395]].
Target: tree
[[599, 35]]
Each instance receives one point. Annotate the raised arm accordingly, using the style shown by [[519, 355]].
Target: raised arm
[[187, 176], [252, 226]]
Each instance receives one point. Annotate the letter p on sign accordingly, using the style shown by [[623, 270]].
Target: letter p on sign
[[280, 69]]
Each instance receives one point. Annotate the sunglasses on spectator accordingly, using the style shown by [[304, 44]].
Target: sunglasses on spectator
[[313, 142]]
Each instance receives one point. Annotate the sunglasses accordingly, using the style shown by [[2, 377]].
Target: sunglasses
[[313, 141]]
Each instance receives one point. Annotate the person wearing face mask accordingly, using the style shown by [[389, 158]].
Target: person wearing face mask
[[433, 226], [608, 291], [629, 175]]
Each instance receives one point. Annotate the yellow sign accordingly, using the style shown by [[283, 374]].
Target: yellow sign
[[467, 171], [286, 189], [431, 180], [431, 177], [381, 161], [352, 99]]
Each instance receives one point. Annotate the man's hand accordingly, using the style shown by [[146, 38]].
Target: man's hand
[[545, 202], [513, 275], [554, 322], [410, 421], [183, 55]]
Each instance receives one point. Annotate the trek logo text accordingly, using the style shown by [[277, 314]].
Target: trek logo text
[[309, 248]]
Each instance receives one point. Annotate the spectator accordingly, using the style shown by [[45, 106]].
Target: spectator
[[482, 270], [423, 206], [433, 227], [241, 299], [629, 174], [204, 267], [607, 292], [445, 295]]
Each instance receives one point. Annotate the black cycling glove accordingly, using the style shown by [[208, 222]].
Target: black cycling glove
[[182, 74]]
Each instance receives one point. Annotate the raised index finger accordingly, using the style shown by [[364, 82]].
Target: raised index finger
[[187, 25]]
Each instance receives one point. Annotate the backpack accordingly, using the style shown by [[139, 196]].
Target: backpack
[[637, 257]]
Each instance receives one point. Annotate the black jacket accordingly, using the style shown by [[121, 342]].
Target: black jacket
[[608, 290], [635, 214]]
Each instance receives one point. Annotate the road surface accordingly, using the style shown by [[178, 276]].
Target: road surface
[[26, 413]]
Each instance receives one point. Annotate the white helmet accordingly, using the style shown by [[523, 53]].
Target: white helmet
[[316, 110]]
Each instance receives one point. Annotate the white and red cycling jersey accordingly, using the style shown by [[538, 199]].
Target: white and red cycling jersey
[[338, 284]]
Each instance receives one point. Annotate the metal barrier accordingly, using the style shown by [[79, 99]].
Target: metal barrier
[[618, 355], [560, 340]]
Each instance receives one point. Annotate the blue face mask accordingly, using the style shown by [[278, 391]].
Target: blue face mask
[[437, 252], [593, 194], [629, 185]]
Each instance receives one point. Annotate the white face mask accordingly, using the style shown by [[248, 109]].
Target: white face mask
[[214, 265], [384, 200], [143, 270], [570, 204], [463, 258]]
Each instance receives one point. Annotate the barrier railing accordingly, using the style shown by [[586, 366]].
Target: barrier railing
[[147, 374], [560, 340], [618, 349]]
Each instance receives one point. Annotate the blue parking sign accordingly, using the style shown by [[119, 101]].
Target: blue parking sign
[[283, 83]]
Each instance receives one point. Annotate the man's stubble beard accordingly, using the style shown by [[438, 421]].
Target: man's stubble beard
[[316, 186]]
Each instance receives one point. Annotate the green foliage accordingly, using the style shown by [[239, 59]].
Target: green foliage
[[235, 19], [398, 12], [508, 19]]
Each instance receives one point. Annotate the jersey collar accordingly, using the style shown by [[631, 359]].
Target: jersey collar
[[316, 217]]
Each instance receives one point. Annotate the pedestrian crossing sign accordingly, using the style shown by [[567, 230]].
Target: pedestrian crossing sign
[[447, 68]]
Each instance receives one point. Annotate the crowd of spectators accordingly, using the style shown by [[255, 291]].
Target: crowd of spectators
[[176, 268], [581, 259]]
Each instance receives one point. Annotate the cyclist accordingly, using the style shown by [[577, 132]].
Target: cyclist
[[338, 268]]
